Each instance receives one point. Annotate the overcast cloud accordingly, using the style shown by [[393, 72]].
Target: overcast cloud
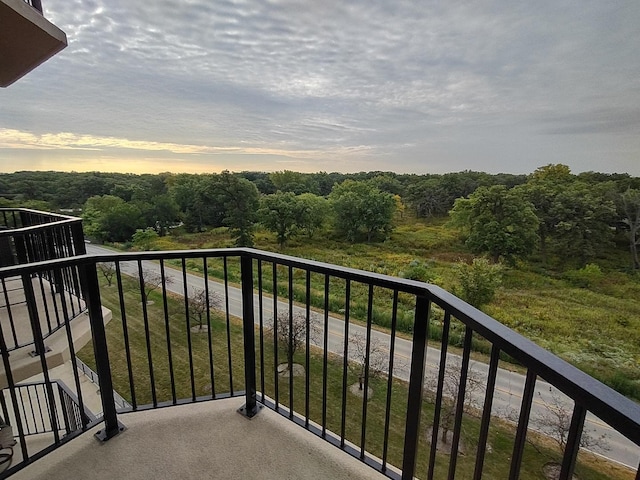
[[197, 85]]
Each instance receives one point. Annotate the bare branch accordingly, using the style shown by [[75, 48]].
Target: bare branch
[[108, 270], [152, 281], [199, 303], [291, 332]]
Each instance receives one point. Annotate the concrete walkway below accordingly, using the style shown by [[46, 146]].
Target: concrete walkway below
[[208, 440]]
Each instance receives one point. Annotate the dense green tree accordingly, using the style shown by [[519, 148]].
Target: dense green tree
[[199, 201], [288, 181], [109, 218], [240, 200], [279, 213], [497, 221], [388, 183], [542, 190], [631, 211], [361, 208], [161, 213], [584, 216], [428, 198], [312, 213]]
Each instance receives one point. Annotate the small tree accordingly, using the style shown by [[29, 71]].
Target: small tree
[[554, 420], [108, 271], [450, 393], [478, 281], [152, 281], [199, 304], [291, 333], [359, 360]]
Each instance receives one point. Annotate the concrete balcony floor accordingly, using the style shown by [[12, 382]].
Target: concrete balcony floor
[[197, 441]]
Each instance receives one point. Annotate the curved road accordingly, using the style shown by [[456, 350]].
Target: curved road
[[509, 385]]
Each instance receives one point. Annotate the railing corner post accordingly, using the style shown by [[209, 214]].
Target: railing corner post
[[251, 406], [89, 281]]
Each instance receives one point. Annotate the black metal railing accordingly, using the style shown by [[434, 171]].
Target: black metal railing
[[121, 403], [41, 413], [341, 352], [30, 236], [37, 4]]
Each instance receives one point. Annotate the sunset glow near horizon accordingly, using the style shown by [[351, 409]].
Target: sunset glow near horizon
[[331, 86]]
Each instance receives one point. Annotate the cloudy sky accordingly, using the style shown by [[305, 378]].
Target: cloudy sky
[[324, 85]]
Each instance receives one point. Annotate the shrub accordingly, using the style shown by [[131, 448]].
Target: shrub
[[478, 281], [586, 277], [420, 271]]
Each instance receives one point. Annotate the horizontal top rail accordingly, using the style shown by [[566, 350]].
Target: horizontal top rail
[[44, 219], [610, 406]]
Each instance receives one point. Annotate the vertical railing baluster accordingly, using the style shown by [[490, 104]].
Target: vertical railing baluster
[[523, 424], [125, 335], [442, 370], [45, 304], [572, 445], [325, 355], [167, 329], [228, 315], [38, 342], [74, 360], [276, 378], [185, 290], [249, 331], [147, 333], [205, 270], [91, 289], [345, 362], [261, 320], [4, 353], [392, 346], [416, 384], [486, 412], [365, 398], [290, 341], [462, 388], [307, 347], [7, 302]]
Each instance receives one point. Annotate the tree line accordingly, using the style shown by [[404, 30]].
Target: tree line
[[551, 212]]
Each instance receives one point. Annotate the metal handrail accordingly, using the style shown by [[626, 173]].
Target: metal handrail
[[587, 393], [606, 403]]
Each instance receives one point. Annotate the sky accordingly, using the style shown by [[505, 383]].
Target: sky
[[323, 85]]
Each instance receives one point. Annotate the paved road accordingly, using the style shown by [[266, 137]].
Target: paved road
[[509, 385]]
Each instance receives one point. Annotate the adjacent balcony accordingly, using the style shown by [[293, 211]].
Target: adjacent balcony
[[27, 39], [239, 363]]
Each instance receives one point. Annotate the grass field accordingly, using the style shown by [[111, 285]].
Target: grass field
[[189, 363], [594, 326]]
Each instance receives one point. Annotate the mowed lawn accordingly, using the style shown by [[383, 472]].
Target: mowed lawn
[[200, 359]]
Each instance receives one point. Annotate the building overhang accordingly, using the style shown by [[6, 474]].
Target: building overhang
[[27, 39]]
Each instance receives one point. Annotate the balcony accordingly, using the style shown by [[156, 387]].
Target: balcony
[[27, 39], [330, 368]]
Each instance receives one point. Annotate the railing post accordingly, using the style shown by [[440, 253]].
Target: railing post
[[32, 309], [251, 407], [416, 385], [91, 289], [79, 247]]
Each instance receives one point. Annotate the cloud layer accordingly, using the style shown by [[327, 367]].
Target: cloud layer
[[404, 86]]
